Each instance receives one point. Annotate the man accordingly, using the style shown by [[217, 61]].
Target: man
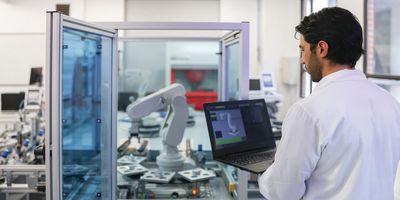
[[343, 141]]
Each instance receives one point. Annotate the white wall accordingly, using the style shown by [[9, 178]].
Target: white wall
[[18, 53], [30, 16], [104, 10], [173, 11], [279, 46], [244, 11], [357, 8], [23, 27]]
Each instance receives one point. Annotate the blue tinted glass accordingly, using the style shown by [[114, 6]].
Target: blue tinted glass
[[232, 70], [86, 115]]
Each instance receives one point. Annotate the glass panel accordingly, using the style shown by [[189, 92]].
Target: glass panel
[[142, 66], [382, 37], [147, 66], [233, 68], [201, 84], [86, 115]]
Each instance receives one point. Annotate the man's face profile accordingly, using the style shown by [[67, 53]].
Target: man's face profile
[[309, 58]]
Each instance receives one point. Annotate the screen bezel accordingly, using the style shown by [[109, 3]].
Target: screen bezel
[[240, 147]]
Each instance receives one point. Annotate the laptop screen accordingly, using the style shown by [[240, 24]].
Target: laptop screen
[[236, 126]]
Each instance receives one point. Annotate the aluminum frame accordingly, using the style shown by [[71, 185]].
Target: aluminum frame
[[55, 23], [240, 37], [174, 25], [22, 170]]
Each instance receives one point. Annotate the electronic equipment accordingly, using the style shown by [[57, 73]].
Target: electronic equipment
[[262, 86], [173, 126], [255, 91], [241, 134], [32, 100], [11, 101], [254, 84], [267, 82], [36, 76]]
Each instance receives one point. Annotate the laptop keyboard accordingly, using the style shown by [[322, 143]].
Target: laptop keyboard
[[245, 159]]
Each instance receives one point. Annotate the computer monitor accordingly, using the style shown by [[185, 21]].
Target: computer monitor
[[11, 101], [36, 76], [33, 97], [254, 84], [268, 83], [255, 91]]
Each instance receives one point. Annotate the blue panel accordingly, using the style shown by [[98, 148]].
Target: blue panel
[[86, 115]]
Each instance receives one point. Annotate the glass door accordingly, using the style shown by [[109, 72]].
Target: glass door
[[234, 82], [81, 109], [234, 64]]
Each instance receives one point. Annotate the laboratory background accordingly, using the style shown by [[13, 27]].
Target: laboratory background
[[103, 99]]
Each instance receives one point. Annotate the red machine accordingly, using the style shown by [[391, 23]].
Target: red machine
[[193, 81]]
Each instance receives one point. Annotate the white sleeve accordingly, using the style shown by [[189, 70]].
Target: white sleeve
[[297, 155]]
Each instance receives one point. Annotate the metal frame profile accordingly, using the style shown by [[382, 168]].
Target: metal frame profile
[[228, 40], [27, 186], [56, 21], [55, 24]]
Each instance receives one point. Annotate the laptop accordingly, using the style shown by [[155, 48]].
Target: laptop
[[241, 134]]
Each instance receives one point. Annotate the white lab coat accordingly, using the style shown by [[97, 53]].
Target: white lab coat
[[340, 143], [397, 184]]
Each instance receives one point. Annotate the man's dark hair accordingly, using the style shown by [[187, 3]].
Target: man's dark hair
[[339, 28]]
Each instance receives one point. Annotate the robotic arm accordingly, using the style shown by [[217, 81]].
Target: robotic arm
[[173, 126]]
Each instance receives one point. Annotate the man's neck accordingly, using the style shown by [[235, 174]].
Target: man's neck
[[333, 67]]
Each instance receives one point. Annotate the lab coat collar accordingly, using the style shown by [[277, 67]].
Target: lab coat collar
[[341, 75]]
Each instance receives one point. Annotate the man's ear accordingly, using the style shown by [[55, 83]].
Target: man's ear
[[322, 49]]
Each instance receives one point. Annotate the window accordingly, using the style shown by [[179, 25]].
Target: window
[[382, 44]]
